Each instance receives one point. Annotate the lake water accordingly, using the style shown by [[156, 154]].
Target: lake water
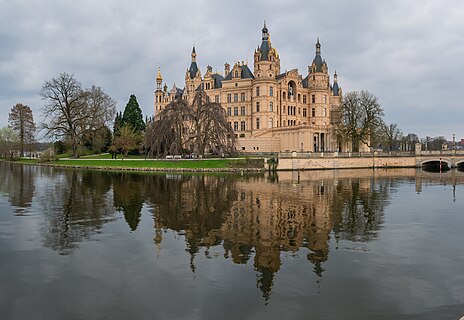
[[351, 244]]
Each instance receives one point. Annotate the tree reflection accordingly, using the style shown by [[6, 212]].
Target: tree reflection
[[129, 196], [76, 205], [18, 182]]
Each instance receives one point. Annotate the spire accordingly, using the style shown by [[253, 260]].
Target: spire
[[265, 44], [159, 77], [193, 65], [335, 88], [265, 32], [317, 59], [318, 46], [194, 54]]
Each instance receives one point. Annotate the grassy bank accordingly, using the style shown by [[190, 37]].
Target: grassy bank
[[217, 164]]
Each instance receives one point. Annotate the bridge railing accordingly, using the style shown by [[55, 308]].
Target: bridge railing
[[442, 152], [307, 155]]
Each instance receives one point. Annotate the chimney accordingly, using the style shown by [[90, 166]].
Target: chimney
[[226, 69]]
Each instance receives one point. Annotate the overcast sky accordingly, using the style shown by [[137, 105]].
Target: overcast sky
[[409, 53]]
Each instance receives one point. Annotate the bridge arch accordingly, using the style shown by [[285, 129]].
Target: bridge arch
[[460, 164], [436, 162]]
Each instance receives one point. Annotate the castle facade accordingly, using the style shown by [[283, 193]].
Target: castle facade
[[269, 110]]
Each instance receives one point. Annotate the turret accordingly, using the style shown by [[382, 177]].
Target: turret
[[335, 88], [159, 80], [266, 58]]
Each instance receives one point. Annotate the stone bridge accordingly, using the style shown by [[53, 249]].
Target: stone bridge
[[452, 158], [335, 160]]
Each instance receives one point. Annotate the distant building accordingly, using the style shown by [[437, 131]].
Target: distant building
[[269, 110]]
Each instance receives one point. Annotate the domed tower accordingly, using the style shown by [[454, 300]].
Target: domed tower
[[193, 74], [158, 92]]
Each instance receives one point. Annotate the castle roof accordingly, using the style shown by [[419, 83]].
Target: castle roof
[[245, 74]]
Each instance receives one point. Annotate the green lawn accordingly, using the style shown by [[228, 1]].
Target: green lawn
[[188, 164]]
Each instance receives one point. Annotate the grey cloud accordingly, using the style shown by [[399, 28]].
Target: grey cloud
[[408, 53]]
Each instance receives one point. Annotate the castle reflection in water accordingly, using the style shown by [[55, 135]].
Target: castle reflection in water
[[251, 218]]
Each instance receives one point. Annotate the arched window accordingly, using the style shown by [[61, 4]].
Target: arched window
[[283, 96]]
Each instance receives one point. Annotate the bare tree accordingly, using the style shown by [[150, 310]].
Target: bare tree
[[197, 128], [21, 121], [391, 136], [70, 112], [359, 116]]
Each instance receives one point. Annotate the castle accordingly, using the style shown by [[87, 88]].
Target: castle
[[269, 110]]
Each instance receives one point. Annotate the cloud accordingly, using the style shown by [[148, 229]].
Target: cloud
[[408, 53]]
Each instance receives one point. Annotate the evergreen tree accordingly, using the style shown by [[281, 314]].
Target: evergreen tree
[[133, 115], [117, 124]]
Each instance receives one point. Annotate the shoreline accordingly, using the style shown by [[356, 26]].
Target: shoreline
[[144, 169]]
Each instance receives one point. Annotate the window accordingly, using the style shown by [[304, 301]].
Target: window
[[208, 86], [235, 111], [242, 96], [304, 98], [271, 91], [313, 112], [299, 111], [271, 106], [236, 74], [229, 97], [242, 111], [299, 97], [216, 98], [257, 91], [230, 124], [313, 98], [324, 98], [304, 112], [270, 123], [324, 114], [257, 106], [257, 123], [229, 111], [235, 125], [235, 97], [242, 126]]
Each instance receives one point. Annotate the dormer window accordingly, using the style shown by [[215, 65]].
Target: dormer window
[[236, 74]]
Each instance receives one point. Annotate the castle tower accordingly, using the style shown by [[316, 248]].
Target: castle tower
[[264, 91], [158, 92], [266, 58], [193, 74]]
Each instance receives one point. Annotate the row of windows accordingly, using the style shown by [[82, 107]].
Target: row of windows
[[242, 97], [291, 110]]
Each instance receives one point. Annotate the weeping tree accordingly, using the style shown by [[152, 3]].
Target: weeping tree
[[211, 129], [166, 134], [180, 128]]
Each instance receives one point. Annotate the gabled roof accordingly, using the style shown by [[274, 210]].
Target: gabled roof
[[245, 73]]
